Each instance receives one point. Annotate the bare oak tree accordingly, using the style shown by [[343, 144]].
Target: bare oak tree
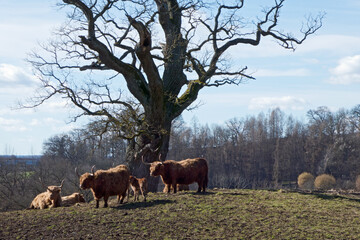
[[165, 51]]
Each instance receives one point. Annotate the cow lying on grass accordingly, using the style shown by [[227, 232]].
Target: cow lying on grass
[[72, 199], [106, 183], [138, 185], [181, 172], [49, 199]]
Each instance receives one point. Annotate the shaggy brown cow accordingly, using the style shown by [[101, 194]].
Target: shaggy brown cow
[[51, 198], [72, 199], [180, 187], [137, 185], [106, 183], [181, 172]]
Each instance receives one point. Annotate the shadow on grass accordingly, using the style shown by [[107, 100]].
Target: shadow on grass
[[332, 197], [215, 192], [327, 196], [198, 193], [135, 205]]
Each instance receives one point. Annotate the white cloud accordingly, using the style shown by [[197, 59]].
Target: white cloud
[[35, 122], [347, 71], [286, 102], [13, 75], [12, 125]]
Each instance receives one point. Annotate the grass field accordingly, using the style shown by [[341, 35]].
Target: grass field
[[218, 214]]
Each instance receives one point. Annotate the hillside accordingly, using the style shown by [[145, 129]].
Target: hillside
[[218, 214]]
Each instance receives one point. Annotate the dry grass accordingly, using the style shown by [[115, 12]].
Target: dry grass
[[324, 182], [218, 214], [306, 181]]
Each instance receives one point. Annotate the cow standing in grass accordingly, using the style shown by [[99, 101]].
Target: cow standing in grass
[[106, 183], [138, 185], [181, 172], [49, 199]]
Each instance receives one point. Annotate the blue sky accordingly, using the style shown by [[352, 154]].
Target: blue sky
[[324, 71]]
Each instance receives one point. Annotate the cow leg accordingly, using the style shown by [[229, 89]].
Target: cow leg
[[200, 184], [142, 193], [175, 187], [97, 203], [123, 196], [136, 195], [105, 201], [168, 188]]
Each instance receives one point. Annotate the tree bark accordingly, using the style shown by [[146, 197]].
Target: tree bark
[[136, 154]]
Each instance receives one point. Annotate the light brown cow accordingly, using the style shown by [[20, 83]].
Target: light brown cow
[[51, 198], [181, 172], [138, 185], [72, 199], [106, 183]]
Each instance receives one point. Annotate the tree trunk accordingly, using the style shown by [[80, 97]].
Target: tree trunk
[[135, 153]]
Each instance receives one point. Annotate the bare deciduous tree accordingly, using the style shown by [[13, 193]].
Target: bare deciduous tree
[[165, 51]]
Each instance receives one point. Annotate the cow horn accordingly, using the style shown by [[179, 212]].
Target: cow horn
[[92, 170], [142, 159], [42, 183], [62, 182], [77, 173]]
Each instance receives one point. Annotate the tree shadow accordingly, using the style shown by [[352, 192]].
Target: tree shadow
[[216, 192], [195, 193], [235, 194], [327, 196], [136, 205], [332, 197]]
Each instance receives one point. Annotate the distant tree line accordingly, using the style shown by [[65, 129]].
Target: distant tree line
[[269, 150]]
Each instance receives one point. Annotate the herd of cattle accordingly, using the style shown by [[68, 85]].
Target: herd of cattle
[[117, 181]]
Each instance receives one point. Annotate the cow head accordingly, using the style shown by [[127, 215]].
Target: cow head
[[79, 197], [132, 180], [156, 168], [87, 179], [54, 191]]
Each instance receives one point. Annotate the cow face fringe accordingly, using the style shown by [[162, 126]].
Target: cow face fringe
[[86, 180], [156, 169]]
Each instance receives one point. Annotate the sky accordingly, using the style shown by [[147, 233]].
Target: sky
[[323, 71]]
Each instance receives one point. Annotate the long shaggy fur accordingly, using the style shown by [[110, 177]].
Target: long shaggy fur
[[72, 199], [106, 183], [49, 199], [182, 172]]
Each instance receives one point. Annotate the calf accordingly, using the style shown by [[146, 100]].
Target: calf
[[137, 185], [51, 198], [72, 199]]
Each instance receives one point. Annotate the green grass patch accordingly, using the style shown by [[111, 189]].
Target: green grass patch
[[220, 214]]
